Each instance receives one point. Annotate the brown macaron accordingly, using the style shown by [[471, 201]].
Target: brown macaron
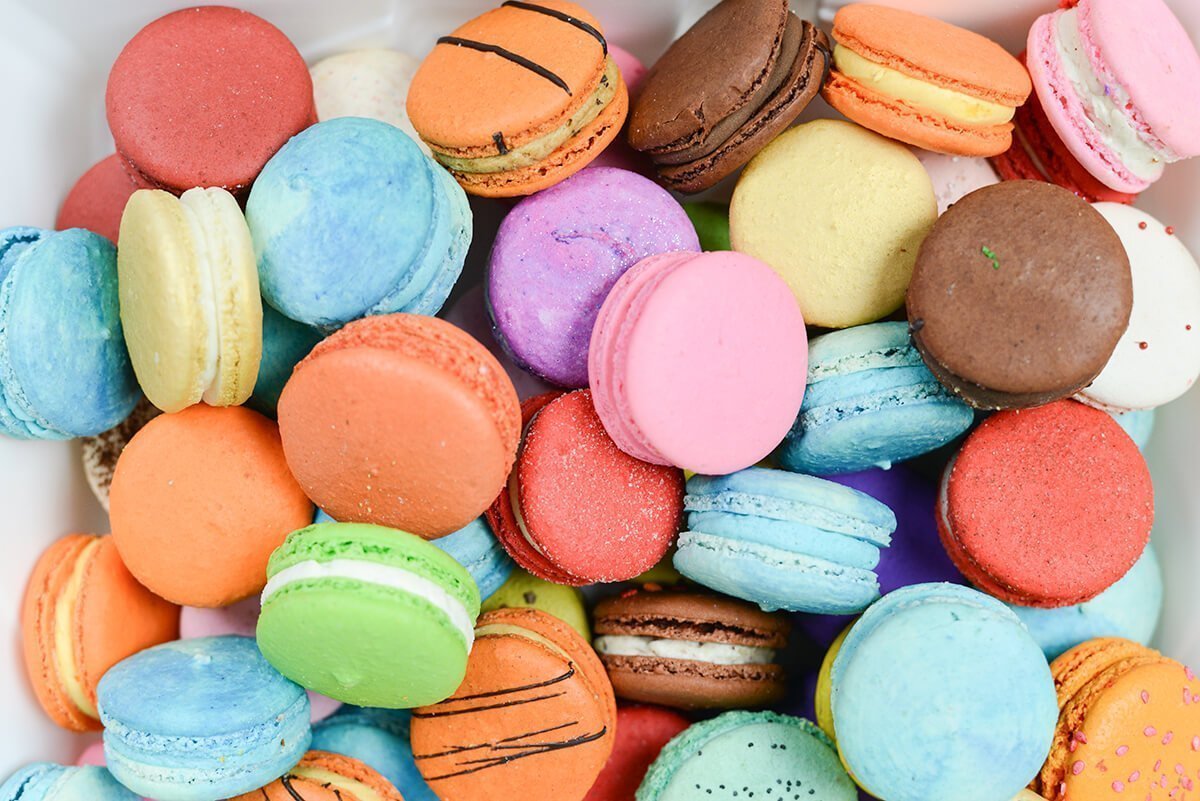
[[690, 650], [727, 87], [1019, 295]]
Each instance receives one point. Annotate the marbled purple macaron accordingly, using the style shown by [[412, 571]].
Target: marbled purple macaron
[[559, 252]]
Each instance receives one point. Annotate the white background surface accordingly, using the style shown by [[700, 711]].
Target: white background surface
[[54, 60]]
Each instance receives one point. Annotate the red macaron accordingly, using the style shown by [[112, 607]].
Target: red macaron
[[577, 510], [98, 198], [642, 731], [1046, 507]]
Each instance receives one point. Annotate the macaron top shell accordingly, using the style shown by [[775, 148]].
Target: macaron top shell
[[325, 776], [372, 82], [204, 96]]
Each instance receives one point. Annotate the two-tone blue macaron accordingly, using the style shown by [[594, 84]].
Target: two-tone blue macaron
[[784, 540], [379, 738], [350, 218], [870, 402], [64, 370], [45, 781], [284, 343], [195, 720]]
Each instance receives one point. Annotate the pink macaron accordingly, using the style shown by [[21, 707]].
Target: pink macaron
[[698, 360], [1120, 83]]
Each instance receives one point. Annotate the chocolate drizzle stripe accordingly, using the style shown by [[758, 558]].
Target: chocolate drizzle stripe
[[498, 138], [469, 710], [286, 781], [532, 66], [559, 15], [570, 672], [495, 762], [464, 748]]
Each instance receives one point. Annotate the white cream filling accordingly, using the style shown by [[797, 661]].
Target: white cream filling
[[715, 653], [396, 578], [195, 204], [514, 500], [1103, 105]]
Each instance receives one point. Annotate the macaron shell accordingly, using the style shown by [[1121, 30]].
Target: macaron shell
[[305, 781], [523, 590], [371, 82], [97, 199], [954, 177]]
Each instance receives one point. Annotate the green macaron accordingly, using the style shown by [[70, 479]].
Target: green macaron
[[368, 615], [711, 221]]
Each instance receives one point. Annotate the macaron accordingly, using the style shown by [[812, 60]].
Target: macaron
[[379, 738], [573, 241], [725, 88], [618, 153], [431, 470], [784, 540], [45, 781], [642, 731], [1157, 359], [924, 81], [368, 615], [1138, 425], [534, 718], [82, 613], [690, 650], [914, 656], [748, 752], [1127, 721], [204, 96], [523, 590], [64, 370], [325, 776], [577, 509], [284, 344], [870, 402], [198, 502], [955, 177], [1120, 85], [194, 720], [711, 221], [698, 361], [999, 276], [190, 307], [519, 98], [97, 199], [849, 257], [1129, 609], [372, 82], [100, 453], [1023, 529], [350, 218]]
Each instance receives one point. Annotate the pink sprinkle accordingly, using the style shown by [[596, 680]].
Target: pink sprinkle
[[1118, 786], [1133, 777], [1179, 768], [1168, 737], [1187, 698], [1081, 737], [1196, 698], [1187, 784], [1187, 671], [1157, 765], [1149, 731], [1196, 743], [1072, 745], [1145, 697], [1123, 750], [1078, 767]]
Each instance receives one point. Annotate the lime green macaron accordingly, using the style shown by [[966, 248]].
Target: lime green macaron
[[523, 590], [190, 305], [368, 615]]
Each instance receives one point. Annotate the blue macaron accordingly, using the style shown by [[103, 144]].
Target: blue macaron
[[940, 694], [64, 370], [45, 781], [870, 402], [285, 343], [194, 720], [378, 737], [784, 540], [1139, 425], [350, 218], [1129, 609]]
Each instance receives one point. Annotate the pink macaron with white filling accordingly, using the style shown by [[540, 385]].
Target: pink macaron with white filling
[[1120, 82]]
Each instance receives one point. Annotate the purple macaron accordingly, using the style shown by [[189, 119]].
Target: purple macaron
[[559, 252]]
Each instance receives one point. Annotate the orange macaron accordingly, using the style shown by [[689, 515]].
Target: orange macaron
[[83, 612], [325, 776], [924, 81], [200, 499]]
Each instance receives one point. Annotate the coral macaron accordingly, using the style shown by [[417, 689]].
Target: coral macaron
[[97, 199]]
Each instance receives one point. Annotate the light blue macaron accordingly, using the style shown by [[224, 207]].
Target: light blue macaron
[[285, 343], [870, 402], [350, 218], [378, 737], [194, 720], [940, 694], [64, 370], [1139, 425], [1129, 609], [473, 546], [784, 540], [45, 781]]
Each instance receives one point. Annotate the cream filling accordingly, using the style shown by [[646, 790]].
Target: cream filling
[[499, 629], [513, 497], [65, 662], [1102, 106], [533, 152], [395, 578], [715, 653], [359, 790], [197, 210], [918, 93]]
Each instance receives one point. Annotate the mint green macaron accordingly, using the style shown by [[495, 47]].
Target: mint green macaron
[[368, 615]]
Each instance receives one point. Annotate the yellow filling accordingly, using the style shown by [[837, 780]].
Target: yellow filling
[[518, 631], [917, 93], [65, 662], [321, 776], [533, 152]]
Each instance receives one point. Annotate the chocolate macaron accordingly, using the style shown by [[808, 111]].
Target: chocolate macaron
[[1006, 271], [690, 650], [727, 87]]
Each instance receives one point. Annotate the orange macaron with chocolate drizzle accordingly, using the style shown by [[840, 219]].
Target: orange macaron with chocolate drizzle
[[519, 98]]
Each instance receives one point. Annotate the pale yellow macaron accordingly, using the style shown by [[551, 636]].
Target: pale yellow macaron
[[190, 305], [523, 590], [840, 213]]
